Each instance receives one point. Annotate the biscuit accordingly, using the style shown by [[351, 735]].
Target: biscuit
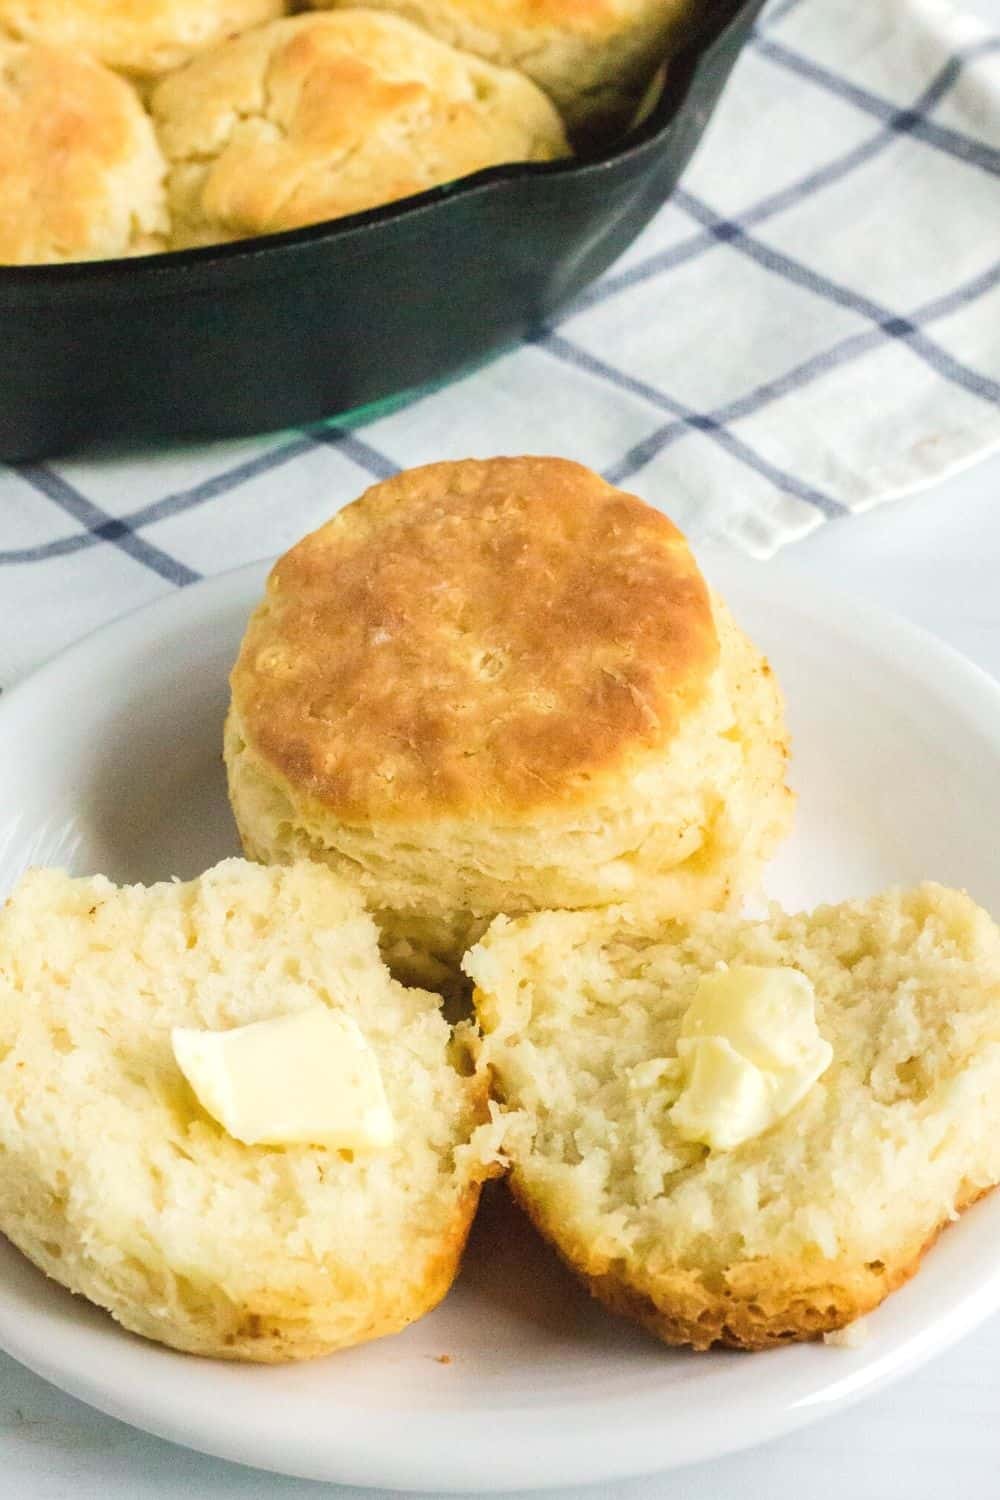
[[81, 175], [324, 115], [500, 686], [144, 37], [117, 1184], [594, 59], [802, 1228]]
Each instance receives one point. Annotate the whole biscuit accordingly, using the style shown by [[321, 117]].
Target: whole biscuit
[[81, 175], [319, 116], [498, 686]]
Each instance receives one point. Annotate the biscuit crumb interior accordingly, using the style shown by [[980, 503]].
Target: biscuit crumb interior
[[117, 1183], [897, 1135]]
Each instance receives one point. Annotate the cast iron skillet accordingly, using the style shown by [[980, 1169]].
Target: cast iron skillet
[[286, 329]]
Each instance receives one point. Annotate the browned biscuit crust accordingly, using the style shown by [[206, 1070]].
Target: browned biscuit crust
[[759, 1304], [81, 175], [271, 1329], [490, 636]]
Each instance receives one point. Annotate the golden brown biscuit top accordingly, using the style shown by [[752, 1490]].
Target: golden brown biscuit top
[[474, 638], [323, 115], [138, 36], [545, 15], [80, 171], [511, 17], [572, 16]]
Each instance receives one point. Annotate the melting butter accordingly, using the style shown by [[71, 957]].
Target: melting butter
[[749, 1052], [309, 1078]]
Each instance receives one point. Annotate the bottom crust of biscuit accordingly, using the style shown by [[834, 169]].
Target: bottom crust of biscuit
[[272, 1334], [759, 1305]]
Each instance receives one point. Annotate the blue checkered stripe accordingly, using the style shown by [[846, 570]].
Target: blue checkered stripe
[[697, 230]]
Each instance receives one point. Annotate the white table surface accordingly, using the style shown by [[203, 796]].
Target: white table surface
[[934, 558]]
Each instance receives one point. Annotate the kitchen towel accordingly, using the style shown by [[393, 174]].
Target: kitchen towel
[[810, 327]]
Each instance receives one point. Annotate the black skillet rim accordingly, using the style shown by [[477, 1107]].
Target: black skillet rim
[[140, 275]]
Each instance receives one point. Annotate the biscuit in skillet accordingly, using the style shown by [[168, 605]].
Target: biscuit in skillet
[[81, 174], [594, 58], [142, 37], [319, 116]]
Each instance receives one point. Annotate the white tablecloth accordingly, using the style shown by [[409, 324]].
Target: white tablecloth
[[811, 326]]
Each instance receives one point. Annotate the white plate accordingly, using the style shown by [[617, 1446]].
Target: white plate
[[111, 761]]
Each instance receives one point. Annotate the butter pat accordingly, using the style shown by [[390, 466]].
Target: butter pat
[[749, 1051], [309, 1078]]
